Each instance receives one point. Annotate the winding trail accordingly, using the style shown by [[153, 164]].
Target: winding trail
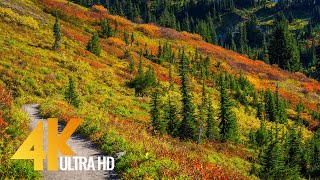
[[80, 145]]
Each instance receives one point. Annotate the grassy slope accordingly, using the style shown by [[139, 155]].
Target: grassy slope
[[115, 118]]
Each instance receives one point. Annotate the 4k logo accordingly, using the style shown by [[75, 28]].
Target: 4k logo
[[56, 143]]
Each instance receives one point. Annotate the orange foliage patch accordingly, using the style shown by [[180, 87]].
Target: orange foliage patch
[[72, 10], [75, 35], [115, 42], [191, 36], [94, 64], [99, 9], [2, 122], [148, 30], [311, 87]]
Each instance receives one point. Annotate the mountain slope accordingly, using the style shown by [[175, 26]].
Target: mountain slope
[[115, 118]]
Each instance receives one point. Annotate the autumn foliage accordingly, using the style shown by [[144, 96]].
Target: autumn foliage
[[117, 120]]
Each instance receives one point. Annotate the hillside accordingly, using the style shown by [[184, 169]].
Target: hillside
[[115, 118]]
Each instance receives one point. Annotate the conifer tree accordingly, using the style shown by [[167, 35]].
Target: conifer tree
[[71, 95], [283, 47], [116, 28], [171, 83], [131, 67], [280, 107], [270, 110], [265, 56], [171, 118], [132, 39], [262, 134], [157, 121], [228, 122], [57, 34], [188, 127], [150, 79], [138, 82], [104, 30], [259, 111], [243, 39], [126, 37], [314, 160], [109, 30], [273, 162], [207, 67], [295, 152], [93, 45]]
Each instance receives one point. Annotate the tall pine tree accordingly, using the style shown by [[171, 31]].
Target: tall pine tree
[[93, 45], [189, 126], [228, 122], [57, 34]]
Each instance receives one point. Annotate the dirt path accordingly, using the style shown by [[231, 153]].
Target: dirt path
[[80, 145]]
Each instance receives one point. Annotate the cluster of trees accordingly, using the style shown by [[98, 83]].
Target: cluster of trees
[[143, 82], [184, 123], [290, 51], [283, 48], [285, 154]]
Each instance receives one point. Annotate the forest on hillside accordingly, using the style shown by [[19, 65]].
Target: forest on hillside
[[221, 94], [249, 27]]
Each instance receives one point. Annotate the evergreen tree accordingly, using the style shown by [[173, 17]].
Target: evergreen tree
[[273, 163], [131, 67], [132, 39], [295, 152], [93, 45], [262, 135], [314, 160], [126, 37], [109, 30], [270, 110], [104, 30], [116, 28], [265, 56], [280, 107], [171, 83], [171, 118], [243, 39], [156, 120], [71, 95], [259, 114], [253, 31], [150, 79], [228, 122], [283, 48], [188, 127], [57, 34]]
